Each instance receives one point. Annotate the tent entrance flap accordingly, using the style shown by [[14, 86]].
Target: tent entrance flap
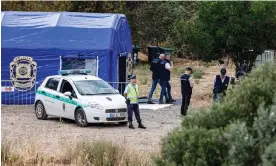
[[79, 63], [122, 74]]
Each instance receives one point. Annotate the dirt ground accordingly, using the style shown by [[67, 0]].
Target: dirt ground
[[21, 124], [51, 136], [202, 91]]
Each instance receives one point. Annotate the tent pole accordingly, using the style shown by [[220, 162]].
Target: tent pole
[[60, 62], [97, 66]]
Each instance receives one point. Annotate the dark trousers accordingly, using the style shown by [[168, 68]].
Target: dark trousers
[[216, 95], [133, 108], [169, 88], [153, 87], [163, 84], [186, 98]]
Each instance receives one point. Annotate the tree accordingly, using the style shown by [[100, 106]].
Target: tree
[[234, 28]]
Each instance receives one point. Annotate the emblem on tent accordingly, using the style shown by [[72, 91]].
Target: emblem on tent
[[23, 73]]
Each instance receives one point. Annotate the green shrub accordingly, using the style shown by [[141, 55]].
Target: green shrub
[[197, 73], [269, 157], [188, 148], [240, 128]]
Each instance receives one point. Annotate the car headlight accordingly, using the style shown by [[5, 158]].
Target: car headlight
[[95, 105]]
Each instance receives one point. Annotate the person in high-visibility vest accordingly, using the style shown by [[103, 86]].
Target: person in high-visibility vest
[[131, 93]]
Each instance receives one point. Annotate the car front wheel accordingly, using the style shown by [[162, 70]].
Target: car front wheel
[[40, 111], [80, 118]]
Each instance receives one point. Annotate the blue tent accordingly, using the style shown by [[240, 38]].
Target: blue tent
[[63, 40]]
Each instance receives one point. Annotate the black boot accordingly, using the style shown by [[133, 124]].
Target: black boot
[[131, 125], [141, 126]]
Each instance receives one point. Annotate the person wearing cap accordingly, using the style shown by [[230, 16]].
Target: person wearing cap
[[186, 90], [221, 83], [131, 94]]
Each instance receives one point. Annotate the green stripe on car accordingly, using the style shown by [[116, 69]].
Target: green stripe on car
[[63, 99]]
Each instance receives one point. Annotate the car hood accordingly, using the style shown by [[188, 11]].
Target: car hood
[[107, 101]]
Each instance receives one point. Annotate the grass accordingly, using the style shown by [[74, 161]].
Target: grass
[[143, 80], [197, 73], [178, 71], [79, 153]]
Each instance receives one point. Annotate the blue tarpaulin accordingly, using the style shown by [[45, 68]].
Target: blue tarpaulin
[[50, 37]]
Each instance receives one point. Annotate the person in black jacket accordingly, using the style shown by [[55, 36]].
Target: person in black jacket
[[155, 68], [221, 83], [186, 90]]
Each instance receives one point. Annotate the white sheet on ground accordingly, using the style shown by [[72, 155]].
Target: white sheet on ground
[[153, 106]]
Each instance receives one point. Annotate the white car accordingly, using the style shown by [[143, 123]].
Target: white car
[[80, 97]]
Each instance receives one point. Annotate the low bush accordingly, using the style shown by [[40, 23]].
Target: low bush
[[197, 73], [237, 131]]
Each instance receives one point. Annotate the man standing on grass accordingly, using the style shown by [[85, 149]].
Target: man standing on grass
[[187, 84], [221, 83], [168, 77], [131, 93]]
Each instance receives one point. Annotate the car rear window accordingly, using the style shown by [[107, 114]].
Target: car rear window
[[52, 83]]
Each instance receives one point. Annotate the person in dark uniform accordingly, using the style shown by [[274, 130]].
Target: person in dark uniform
[[242, 72], [186, 90], [163, 67], [154, 67], [221, 83], [131, 93], [168, 77]]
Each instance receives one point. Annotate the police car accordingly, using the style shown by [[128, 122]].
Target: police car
[[76, 95]]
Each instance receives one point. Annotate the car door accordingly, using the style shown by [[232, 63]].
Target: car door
[[68, 103], [51, 96]]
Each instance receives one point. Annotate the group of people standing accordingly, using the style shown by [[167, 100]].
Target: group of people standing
[[161, 72], [161, 68]]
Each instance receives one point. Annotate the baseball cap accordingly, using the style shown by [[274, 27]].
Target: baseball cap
[[133, 77]]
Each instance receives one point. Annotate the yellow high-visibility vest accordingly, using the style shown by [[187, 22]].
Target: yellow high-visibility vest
[[133, 94]]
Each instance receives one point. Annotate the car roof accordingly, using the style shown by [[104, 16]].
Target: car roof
[[76, 77]]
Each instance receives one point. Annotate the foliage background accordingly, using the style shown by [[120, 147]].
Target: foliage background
[[197, 30]]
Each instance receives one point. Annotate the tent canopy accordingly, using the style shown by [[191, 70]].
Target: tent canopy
[[65, 31], [62, 40]]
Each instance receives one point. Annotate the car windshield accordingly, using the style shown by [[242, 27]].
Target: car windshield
[[94, 87]]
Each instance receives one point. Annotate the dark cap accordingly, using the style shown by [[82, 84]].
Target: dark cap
[[132, 77], [222, 71], [189, 69]]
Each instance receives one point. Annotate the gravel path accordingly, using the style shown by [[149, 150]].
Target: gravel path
[[20, 123]]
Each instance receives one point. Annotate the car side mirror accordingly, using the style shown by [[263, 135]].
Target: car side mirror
[[69, 94]]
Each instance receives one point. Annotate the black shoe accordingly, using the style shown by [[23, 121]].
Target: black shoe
[[183, 113], [141, 126], [161, 102], [169, 102], [131, 125], [150, 102]]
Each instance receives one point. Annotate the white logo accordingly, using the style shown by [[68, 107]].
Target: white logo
[[23, 73]]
